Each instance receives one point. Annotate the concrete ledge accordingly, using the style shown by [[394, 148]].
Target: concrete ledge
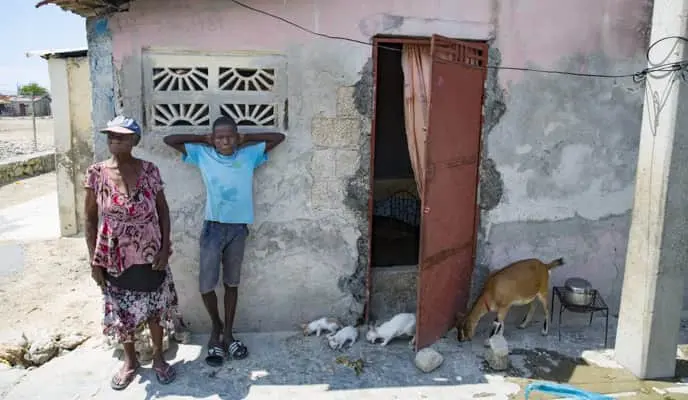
[[25, 166]]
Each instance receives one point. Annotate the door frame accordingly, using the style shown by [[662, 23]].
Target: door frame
[[381, 40], [378, 41]]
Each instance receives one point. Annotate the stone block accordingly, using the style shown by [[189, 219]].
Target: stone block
[[327, 194], [428, 360], [346, 107], [346, 163], [323, 164], [335, 132]]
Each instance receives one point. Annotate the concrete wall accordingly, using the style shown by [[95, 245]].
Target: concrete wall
[[559, 151], [70, 86]]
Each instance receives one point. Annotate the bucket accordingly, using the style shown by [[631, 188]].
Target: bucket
[[564, 391]]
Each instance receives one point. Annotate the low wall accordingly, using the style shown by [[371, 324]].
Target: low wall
[[15, 168]]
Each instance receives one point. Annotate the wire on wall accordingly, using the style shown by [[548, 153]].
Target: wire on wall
[[679, 68]]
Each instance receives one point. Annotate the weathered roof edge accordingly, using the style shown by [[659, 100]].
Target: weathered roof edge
[[89, 8], [61, 53]]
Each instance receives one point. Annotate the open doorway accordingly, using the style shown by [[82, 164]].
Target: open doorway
[[396, 208], [424, 176], [395, 235]]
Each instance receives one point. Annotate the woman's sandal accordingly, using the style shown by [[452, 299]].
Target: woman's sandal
[[119, 382], [166, 374], [237, 350], [216, 355]]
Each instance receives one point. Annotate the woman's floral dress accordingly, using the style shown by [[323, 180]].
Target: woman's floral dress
[[129, 234]]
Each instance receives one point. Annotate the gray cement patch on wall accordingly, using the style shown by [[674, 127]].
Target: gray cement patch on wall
[[358, 186], [572, 133]]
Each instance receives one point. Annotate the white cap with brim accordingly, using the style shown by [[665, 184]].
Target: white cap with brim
[[117, 129], [122, 125]]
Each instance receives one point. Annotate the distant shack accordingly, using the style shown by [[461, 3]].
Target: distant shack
[[20, 106]]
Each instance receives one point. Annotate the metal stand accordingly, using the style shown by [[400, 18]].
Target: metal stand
[[597, 305]]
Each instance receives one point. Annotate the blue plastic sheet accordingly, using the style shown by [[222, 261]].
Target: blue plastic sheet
[[564, 391]]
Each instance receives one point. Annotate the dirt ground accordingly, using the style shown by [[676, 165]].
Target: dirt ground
[[50, 289], [16, 135], [53, 292]]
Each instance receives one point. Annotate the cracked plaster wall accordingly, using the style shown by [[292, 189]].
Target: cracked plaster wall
[[545, 138]]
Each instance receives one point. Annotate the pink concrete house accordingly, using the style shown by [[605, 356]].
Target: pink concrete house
[[413, 164]]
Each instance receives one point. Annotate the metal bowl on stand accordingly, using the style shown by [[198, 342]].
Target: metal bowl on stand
[[578, 292]]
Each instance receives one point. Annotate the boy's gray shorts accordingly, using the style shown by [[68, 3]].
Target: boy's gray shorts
[[221, 244]]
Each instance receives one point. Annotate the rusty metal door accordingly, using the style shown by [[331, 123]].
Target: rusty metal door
[[452, 156]]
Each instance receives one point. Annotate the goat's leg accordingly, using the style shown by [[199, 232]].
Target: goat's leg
[[529, 315], [543, 300], [499, 321], [497, 325]]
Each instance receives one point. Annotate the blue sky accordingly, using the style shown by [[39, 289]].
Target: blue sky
[[24, 28]]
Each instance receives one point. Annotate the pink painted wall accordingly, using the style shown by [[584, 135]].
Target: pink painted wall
[[528, 31]]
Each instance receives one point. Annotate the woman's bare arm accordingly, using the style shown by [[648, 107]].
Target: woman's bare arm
[[177, 141], [91, 223], [164, 218]]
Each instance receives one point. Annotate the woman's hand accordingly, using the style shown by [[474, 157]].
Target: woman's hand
[[161, 259], [98, 275]]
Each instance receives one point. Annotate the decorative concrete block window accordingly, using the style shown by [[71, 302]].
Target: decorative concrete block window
[[184, 92]]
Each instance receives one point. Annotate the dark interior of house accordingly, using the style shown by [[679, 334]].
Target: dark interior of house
[[396, 212]]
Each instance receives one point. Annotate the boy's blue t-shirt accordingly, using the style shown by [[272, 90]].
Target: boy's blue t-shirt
[[228, 180]]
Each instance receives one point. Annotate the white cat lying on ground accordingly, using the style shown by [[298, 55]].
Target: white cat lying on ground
[[319, 325], [339, 339], [403, 324]]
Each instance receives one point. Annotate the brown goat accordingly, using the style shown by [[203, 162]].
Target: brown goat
[[518, 283]]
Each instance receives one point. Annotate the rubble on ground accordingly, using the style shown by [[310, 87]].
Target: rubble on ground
[[21, 352]]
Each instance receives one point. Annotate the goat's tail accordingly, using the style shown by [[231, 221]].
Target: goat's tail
[[555, 263]]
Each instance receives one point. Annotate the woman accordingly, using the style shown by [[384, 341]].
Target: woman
[[130, 247]]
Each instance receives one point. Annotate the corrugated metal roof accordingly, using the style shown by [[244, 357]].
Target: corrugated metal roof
[[88, 8], [61, 53]]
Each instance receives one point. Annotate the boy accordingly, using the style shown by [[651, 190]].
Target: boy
[[226, 160]]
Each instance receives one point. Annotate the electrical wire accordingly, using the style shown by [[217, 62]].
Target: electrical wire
[[680, 66]]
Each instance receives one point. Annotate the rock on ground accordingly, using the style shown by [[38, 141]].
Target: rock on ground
[[71, 341], [428, 359], [42, 350]]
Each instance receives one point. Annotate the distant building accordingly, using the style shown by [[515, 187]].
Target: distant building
[[5, 105], [20, 106]]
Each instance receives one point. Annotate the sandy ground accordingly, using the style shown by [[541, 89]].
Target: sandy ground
[[16, 135], [45, 284]]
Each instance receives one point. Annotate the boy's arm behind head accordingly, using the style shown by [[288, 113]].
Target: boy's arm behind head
[[271, 139], [178, 142]]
